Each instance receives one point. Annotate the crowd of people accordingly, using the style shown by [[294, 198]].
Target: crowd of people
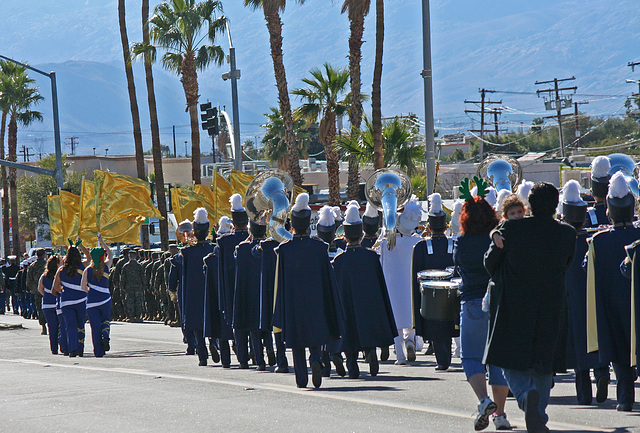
[[537, 295]]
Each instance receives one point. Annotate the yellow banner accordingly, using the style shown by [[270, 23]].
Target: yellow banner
[[239, 181], [222, 191], [184, 201], [69, 207], [125, 230], [55, 221], [87, 229], [208, 201]]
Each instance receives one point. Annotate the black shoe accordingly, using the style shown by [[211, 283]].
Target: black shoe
[[602, 389], [203, 362], [282, 369], [244, 366], [532, 414], [442, 367], [271, 358], [73, 354], [191, 351], [374, 366], [429, 350], [316, 374], [624, 407], [261, 367], [54, 352], [226, 366], [105, 345], [337, 361], [215, 356], [80, 354], [384, 353]]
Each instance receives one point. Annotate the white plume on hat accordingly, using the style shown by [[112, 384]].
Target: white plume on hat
[[455, 216], [326, 218], [523, 191], [490, 197], [353, 203], [410, 216], [618, 186], [337, 213], [236, 203], [224, 225], [502, 194], [352, 214], [435, 203], [302, 202], [200, 216], [600, 166], [571, 192], [370, 211]]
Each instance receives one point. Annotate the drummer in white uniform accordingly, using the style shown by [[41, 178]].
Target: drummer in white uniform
[[396, 265]]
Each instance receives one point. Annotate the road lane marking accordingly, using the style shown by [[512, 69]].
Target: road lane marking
[[293, 390]]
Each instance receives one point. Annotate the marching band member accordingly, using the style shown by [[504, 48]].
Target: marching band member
[[597, 215], [95, 281], [307, 308], [434, 252], [609, 292], [574, 210], [45, 284], [369, 319], [396, 265], [370, 226]]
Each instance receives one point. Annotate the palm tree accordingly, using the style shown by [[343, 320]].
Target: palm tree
[[6, 69], [272, 9], [155, 132], [18, 96], [133, 100], [356, 11], [275, 143], [180, 28], [324, 99], [376, 92]]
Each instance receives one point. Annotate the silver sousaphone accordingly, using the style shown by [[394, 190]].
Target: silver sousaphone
[[388, 190], [269, 197], [625, 164], [500, 172]]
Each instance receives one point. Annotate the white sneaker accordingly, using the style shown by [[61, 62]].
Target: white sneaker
[[501, 422], [411, 350], [401, 362], [485, 410]]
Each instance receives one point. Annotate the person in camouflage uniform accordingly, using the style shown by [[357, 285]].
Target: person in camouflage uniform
[[117, 297], [133, 284], [34, 271], [174, 313], [157, 289], [160, 286], [149, 295]]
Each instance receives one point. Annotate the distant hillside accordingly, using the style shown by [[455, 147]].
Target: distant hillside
[[501, 45]]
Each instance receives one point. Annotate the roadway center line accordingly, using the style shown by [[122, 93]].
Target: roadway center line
[[308, 392]]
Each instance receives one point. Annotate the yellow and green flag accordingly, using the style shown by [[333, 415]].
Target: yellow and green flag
[[55, 221]]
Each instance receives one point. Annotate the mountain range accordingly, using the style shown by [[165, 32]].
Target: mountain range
[[500, 45]]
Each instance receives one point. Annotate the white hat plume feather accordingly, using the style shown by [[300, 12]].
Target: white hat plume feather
[[600, 166], [435, 203], [302, 202], [236, 203], [370, 211], [326, 218], [200, 216], [224, 225], [618, 186], [502, 194], [352, 214], [571, 192]]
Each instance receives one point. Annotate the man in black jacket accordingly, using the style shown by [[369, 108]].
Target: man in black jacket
[[528, 300]]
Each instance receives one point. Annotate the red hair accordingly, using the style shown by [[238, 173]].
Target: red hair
[[477, 217]]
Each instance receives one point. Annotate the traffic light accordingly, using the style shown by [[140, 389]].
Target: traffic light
[[209, 118], [152, 229]]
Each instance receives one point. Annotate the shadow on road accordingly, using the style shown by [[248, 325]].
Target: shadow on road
[[146, 353]]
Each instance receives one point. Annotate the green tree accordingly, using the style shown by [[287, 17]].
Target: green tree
[[274, 141], [356, 11], [271, 10], [180, 28], [19, 97], [324, 99], [6, 70]]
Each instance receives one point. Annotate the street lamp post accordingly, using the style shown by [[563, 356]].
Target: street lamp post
[[57, 173], [430, 153], [234, 76]]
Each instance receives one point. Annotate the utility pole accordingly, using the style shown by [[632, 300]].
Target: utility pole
[[234, 76], [559, 102], [175, 154], [484, 110], [429, 139], [577, 114], [73, 142]]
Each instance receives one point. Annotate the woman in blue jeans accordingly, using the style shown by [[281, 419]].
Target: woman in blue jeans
[[477, 219]]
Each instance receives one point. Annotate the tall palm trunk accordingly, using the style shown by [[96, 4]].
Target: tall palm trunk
[[5, 191], [328, 134], [155, 134], [356, 19], [274, 25], [189, 81], [376, 98], [13, 143], [133, 101]]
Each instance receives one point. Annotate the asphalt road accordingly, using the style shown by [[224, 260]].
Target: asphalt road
[[147, 383]]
